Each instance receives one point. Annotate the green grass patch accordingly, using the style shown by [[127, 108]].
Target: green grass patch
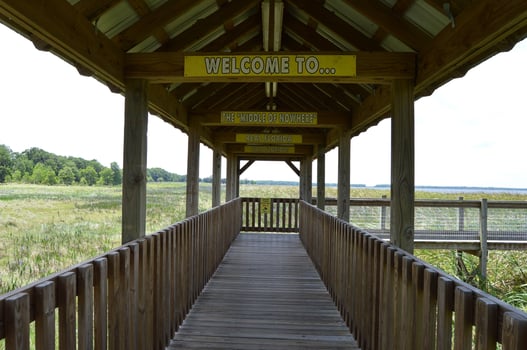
[[45, 229]]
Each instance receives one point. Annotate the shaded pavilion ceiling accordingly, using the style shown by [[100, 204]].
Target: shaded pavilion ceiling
[[428, 41]]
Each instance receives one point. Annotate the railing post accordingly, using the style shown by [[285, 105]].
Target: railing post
[[383, 215], [483, 236], [461, 217]]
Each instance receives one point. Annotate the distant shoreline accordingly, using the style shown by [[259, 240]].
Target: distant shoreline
[[445, 189]]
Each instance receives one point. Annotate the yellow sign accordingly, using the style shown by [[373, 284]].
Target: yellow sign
[[269, 65], [269, 118], [270, 149], [269, 138], [265, 205]]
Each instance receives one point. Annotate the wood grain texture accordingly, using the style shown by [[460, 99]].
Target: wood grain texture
[[265, 295]]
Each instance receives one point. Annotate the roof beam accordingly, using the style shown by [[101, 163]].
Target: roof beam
[[372, 67]]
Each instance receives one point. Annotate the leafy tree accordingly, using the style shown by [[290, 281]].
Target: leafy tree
[[69, 163], [95, 165], [24, 165], [6, 161], [44, 174], [37, 155], [106, 177], [16, 176], [89, 174], [117, 176], [67, 175]]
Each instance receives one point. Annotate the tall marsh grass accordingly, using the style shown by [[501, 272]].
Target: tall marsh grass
[[44, 229]]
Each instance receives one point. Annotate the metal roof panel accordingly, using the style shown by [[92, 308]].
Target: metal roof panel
[[116, 19], [426, 17]]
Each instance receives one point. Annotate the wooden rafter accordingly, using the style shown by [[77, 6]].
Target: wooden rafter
[[92, 9], [309, 35], [152, 21], [231, 36], [320, 14], [384, 17], [205, 26]]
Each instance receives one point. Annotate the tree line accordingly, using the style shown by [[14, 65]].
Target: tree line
[[37, 166]]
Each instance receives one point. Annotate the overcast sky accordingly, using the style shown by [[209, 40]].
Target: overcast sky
[[470, 132]]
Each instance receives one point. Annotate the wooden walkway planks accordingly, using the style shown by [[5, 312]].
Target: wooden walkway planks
[[265, 294]]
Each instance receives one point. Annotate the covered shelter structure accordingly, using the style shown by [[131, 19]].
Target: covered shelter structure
[[270, 80], [280, 80]]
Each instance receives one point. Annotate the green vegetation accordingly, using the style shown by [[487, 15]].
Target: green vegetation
[[36, 166], [44, 229]]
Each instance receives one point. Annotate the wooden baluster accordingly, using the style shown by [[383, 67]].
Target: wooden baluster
[[45, 315], [17, 322]]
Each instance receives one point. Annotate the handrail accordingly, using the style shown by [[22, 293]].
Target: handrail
[[385, 202], [133, 297], [269, 214], [455, 235], [392, 300]]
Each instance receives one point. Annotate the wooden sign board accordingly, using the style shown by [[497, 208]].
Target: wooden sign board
[[270, 149], [283, 139], [265, 118], [265, 205], [268, 65]]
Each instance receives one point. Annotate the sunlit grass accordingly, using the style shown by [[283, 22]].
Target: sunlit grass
[[45, 229]]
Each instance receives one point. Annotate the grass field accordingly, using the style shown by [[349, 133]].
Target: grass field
[[44, 229]]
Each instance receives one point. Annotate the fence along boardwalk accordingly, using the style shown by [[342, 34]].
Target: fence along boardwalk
[[266, 294]]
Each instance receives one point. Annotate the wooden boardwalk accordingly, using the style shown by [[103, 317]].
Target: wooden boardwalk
[[266, 294]]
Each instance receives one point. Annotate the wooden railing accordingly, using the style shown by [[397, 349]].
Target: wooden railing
[[134, 297], [392, 300], [449, 224], [270, 214]]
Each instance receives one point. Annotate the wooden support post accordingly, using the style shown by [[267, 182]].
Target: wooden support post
[[402, 186], [306, 179], [343, 192], [134, 160], [232, 177], [321, 177], [216, 178], [483, 238], [193, 169]]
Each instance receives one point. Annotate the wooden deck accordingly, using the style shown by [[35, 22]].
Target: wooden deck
[[266, 294]]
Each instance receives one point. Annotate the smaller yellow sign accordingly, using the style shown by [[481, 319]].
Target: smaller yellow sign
[[265, 205], [270, 149], [269, 118], [284, 139]]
